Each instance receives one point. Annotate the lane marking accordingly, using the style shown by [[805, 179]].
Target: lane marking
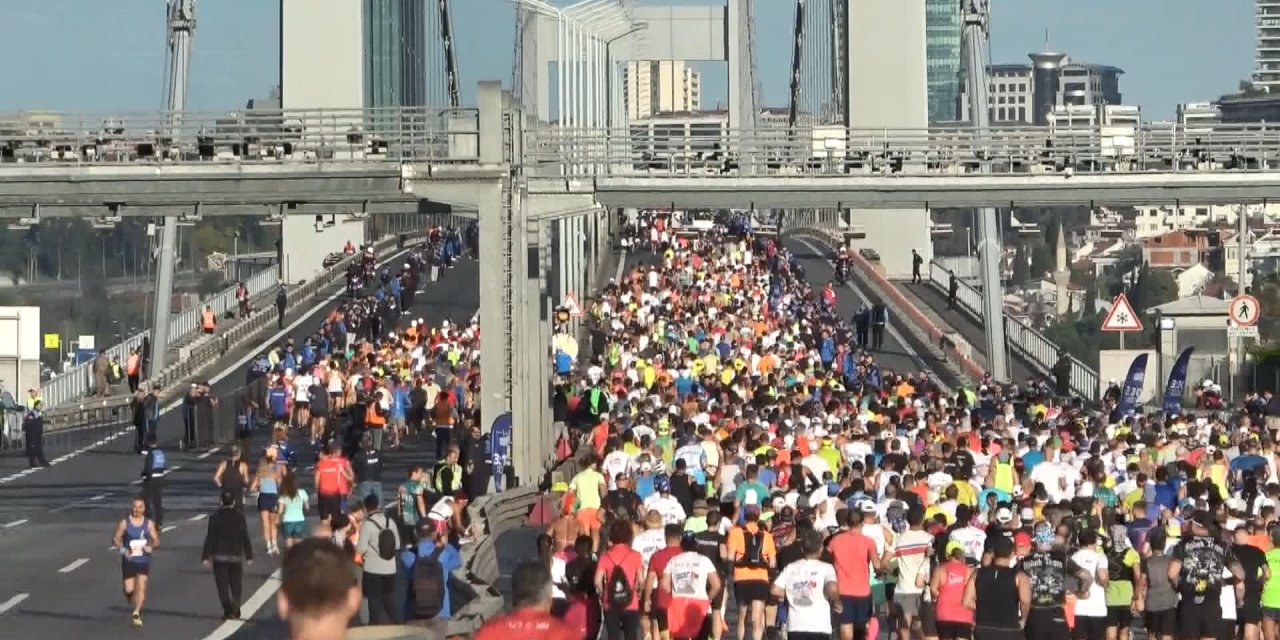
[[73, 566], [169, 528], [175, 468], [100, 497], [198, 517], [207, 454], [13, 602], [16, 523], [250, 607]]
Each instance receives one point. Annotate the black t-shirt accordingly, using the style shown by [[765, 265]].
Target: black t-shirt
[[624, 501], [367, 466], [789, 554], [1047, 571], [995, 532], [1251, 560], [1203, 558]]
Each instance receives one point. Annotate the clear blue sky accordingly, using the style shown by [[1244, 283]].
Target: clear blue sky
[[108, 55]]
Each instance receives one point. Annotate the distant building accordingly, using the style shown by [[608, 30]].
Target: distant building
[[1175, 250], [1154, 220], [652, 87], [1198, 114], [943, 28], [1267, 56], [395, 53], [1092, 115], [1029, 93], [1245, 109]]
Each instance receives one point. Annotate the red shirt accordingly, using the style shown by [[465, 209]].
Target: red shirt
[[853, 553], [657, 564], [621, 555], [526, 624], [329, 476]]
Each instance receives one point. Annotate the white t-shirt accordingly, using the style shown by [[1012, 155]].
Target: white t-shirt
[[301, 388], [649, 542], [689, 572], [1095, 604], [557, 577], [972, 540], [913, 551], [805, 582], [614, 464], [668, 506]]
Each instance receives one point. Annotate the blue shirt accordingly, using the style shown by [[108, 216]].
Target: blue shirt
[[450, 559], [278, 398], [1032, 458]]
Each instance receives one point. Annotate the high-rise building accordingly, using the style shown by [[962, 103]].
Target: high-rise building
[[395, 70], [1031, 93], [651, 87], [1267, 73], [943, 28]]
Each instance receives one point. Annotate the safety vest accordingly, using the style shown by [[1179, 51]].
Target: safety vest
[[208, 319], [133, 363], [1004, 477], [371, 416], [455, 482]]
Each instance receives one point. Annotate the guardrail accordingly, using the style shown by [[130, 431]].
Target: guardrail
[[253, 135], [833, 241], [700, 150], [1024, 339]]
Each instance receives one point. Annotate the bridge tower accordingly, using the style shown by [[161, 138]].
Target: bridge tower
[[975, 43], [181, 26]]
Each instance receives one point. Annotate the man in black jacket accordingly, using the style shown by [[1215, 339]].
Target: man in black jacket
[[226, 550]]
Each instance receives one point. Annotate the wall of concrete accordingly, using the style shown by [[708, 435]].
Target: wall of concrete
[[889, 88], [321, 54], [305, 248]]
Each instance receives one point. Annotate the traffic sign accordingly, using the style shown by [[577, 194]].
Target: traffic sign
[[571, 305], [1121, 317], [52, 341], [1235, 331], [1244, 310]]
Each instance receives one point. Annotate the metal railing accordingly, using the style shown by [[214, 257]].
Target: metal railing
[[254, 135], [700, 150], [1024, 339]]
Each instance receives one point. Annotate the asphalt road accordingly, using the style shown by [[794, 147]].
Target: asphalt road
[[968, 327], [63, 581]]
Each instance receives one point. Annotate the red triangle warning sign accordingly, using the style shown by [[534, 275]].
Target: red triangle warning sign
[[571, 305], [1121, 317]]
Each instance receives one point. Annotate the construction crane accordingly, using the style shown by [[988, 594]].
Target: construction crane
[[976, 41], [450, 54], [180, 18]]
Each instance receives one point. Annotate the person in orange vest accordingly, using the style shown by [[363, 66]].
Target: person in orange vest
[[208, 321], [133, 369]]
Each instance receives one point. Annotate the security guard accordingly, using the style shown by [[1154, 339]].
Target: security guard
[[33, 434], [208, 321], [153, 472], [448, 475]]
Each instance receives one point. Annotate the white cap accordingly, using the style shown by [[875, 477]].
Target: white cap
[[866, 506], [1004, 515]]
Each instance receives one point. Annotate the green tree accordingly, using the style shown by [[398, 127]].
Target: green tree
[[1042, 260], [1090, 298], [1021, 268]]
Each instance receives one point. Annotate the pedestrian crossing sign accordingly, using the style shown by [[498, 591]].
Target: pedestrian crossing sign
[[571, 305], [1121, 317]]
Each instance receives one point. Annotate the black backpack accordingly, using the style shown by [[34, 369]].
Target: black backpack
[[619, 592], [753, 550], [387, 543], [428, 585]]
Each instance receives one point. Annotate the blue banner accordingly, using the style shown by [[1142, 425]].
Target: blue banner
[[1132, 388], [1177, 383], [500, 448]]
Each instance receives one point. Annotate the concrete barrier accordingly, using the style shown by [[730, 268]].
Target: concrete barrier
[[833, 242], [474, 581]]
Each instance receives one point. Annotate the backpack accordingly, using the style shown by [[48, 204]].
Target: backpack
[[619, 592], [428, 585], [387, 543], [753, 550]]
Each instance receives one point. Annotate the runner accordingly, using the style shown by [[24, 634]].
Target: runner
[[137, 539], [266, 484], [810, 590], [292, 509]]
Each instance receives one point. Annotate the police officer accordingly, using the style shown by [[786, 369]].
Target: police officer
[[153, 472], [448, 474], [33, 434]]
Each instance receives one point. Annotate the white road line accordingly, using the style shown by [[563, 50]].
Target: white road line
[[207, 454], [198, 517], [251, 606], [73, 566], [15, 523], [174, 468], [169, 528], [15, 601], [100, 497]]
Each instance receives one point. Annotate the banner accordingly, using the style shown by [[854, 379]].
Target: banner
[[500, 448], [1177, 383], [1132, 388]]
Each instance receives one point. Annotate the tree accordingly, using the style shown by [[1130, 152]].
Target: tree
[[1042, 261], [1090, 298], [1021, 268]]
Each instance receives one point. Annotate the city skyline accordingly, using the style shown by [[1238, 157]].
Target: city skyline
[[110, 58]]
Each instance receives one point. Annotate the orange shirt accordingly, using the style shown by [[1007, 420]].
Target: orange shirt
[[853, 553], [737, 544]]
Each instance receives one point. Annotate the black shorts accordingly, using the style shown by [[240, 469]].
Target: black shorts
[[134, 569], [1202, 620], [857, 610], [659, 617], [954, 630], [1047, 623], [1090, 628], [1161, 623], [928, 620], [320, 412], [1118, 616], [748, 591], [1249, 614], [329, 505], [301, 404]]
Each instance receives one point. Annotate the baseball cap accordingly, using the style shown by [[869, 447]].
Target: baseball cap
[[866, 506], [1022, 539], [1004, 515]]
